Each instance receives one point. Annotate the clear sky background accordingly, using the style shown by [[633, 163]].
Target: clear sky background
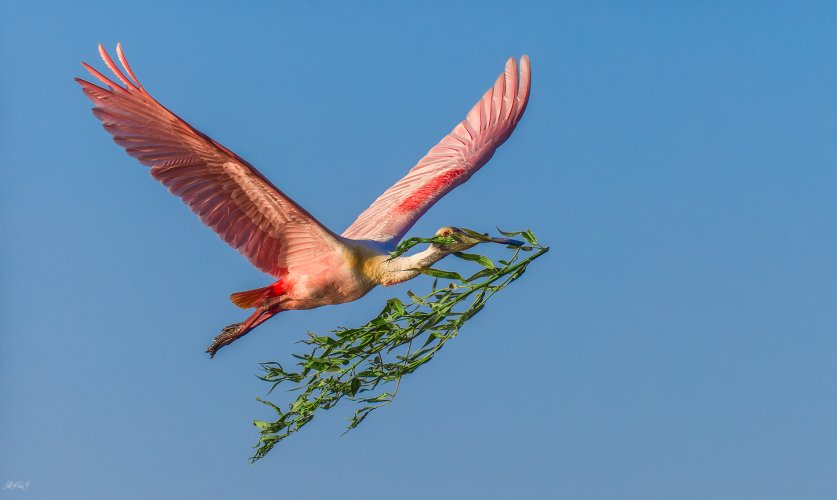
[[679, 341]]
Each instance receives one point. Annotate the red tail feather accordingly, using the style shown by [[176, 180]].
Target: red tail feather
[[255, 298]]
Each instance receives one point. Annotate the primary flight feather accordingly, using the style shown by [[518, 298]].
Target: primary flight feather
[[313, 265]]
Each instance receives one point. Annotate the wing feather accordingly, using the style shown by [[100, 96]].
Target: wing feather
[[228, 194], [451, 162]]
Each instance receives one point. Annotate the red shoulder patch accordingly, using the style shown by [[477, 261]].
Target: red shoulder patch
[[421, 195]]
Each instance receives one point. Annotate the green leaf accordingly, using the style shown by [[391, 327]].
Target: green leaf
[[262, 425], [409, 243], [510, 234], [529, 236], [479, 274], [384, 396], [475, 234], [479, 259], [355, 386], [438, 273], [396, 305]]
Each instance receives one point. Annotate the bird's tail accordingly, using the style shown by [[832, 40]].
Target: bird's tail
[[257, 297], [250, 298]]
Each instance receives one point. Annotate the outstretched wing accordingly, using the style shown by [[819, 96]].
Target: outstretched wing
[[451, 162], [227, 193]]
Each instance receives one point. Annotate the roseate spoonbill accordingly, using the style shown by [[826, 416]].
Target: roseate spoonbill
[[313, 266]]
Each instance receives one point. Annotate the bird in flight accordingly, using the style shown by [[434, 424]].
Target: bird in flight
[[313, 266]]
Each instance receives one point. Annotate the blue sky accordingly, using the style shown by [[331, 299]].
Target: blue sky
[[677, 342]]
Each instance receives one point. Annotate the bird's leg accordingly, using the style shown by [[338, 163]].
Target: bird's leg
[[237, 330]]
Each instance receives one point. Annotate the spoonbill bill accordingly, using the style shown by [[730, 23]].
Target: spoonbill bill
[[313, 266]]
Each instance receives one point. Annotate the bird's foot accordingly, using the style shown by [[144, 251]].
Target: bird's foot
[[227, 336]]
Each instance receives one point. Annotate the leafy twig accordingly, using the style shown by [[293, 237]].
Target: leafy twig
[[358, 364]]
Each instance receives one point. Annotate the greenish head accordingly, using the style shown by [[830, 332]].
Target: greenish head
[[461, 239]]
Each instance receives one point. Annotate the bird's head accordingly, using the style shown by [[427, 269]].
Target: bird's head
[[463, 239]]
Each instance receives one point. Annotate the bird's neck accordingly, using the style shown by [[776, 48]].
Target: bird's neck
[[403, 268]]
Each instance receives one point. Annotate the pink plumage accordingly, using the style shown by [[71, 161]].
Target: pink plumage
[[451, 162], [313, 265]]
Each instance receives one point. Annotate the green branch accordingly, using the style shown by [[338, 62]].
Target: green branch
[[365, 365]]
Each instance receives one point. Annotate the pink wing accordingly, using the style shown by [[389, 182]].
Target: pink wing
[[451, 162], [227, 193]]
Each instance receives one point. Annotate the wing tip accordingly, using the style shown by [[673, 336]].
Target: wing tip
[[525, 85], [524, 61], [130, 85]]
